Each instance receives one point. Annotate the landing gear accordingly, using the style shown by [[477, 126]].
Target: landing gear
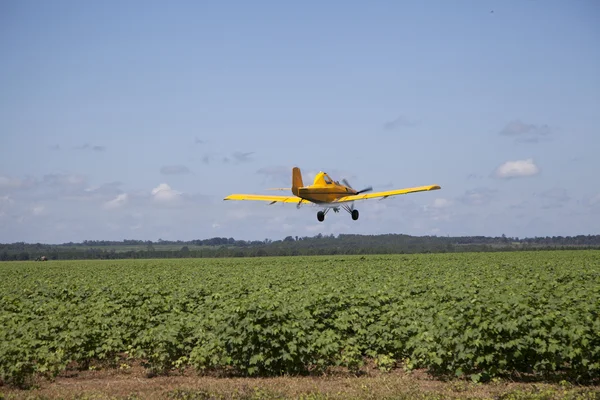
[[349, 208]]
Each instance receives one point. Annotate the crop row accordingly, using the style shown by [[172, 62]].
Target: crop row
[[477, 314]]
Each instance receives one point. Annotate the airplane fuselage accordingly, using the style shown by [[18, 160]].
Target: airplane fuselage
[[324, 194], [324, 190]]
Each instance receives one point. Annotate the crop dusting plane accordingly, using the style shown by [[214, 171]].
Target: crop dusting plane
[[327, 193]]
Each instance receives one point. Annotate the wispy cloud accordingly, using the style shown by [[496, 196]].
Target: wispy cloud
[[236, 158], [38, 210], [71, 186], [556, 194], [554, 198], [198, 141], [8, 182], [517, 169], [106, 189], [118, 202], [400, 122], [57, 186], [174, 170], [206, 159], [240, 157], [593, 202], [478, 196], [526, 133], [5, 202], [64, 180], [277, 174], [92, 147], [474, 176]]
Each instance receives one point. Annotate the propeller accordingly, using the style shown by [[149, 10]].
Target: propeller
[[368, 189]]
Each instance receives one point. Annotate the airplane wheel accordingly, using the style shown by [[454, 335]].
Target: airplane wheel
[[355, 214], [320, 216]]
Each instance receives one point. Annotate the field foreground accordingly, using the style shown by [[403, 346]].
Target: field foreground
[[133, 383], [474, 317]]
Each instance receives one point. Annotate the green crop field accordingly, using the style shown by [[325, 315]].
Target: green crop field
[[477, 315]]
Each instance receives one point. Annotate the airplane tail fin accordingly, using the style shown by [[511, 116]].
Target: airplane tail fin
[[296, 180]]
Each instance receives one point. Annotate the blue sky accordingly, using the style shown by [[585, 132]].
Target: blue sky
[[134, 119]]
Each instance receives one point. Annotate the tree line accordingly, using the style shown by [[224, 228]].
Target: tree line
[[289, 246]]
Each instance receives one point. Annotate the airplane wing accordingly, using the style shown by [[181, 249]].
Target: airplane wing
[[272, 199], [388, 193]]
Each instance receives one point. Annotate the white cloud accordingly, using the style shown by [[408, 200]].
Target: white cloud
[[441, 203], [117, 202], [515, 169], [38, 210], [164, 194]]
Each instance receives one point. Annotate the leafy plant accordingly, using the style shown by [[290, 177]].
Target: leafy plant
[[477, 316]]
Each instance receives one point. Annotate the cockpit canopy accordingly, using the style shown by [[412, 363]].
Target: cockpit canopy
[[323, 179]]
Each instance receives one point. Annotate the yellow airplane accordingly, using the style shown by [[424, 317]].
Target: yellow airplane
[[327, 193]]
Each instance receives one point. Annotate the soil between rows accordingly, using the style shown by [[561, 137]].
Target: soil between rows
[[134, 382]]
